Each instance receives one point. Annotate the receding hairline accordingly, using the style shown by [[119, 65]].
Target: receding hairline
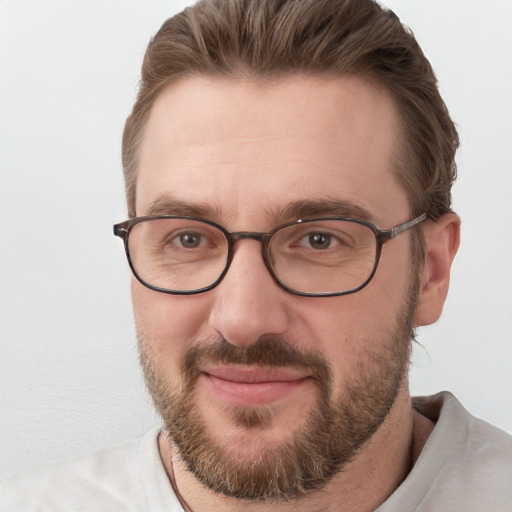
[[399, 158]]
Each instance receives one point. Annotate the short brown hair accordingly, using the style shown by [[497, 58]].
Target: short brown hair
[[269, 38]]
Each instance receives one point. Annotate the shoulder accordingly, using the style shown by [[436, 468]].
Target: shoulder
[[484, 457], [474, 440], [476, 469], [466, 464], [111, 479]]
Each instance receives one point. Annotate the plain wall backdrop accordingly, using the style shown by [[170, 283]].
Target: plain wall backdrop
[[69, 377]]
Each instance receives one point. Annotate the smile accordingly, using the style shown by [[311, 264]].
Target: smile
[[250, 387]]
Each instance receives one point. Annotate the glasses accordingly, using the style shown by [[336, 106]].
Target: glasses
[[314, 258]]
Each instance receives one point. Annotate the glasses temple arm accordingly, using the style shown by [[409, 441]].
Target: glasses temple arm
[[397, 230]]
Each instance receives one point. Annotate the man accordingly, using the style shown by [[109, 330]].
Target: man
[[288, 170]]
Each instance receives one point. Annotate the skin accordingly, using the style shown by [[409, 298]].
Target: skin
[[247, 149]]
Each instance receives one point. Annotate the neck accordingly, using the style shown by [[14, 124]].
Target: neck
[[365, 483]]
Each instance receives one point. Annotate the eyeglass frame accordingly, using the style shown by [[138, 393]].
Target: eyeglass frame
[[122, 230]]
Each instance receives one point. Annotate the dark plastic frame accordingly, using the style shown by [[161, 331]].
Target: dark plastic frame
[[382, 236]]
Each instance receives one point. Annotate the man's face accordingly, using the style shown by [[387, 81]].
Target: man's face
[[255, 383]]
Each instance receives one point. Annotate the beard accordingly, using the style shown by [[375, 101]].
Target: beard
[[331, 434]]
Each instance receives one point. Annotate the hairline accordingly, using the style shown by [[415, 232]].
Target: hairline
[[400, 159]]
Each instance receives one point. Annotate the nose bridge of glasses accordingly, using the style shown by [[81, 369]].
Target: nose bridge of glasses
[[263, 238], [251, 235]]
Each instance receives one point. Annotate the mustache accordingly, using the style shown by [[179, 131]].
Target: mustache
[[267, 351]]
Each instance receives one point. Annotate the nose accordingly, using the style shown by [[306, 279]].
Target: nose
[[248, 303]]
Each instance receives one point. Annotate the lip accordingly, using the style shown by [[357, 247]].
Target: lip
[[251, 386]]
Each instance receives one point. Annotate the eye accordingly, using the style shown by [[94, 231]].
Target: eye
[[190, 240], [322, 240], [322, 237], [319, 240]]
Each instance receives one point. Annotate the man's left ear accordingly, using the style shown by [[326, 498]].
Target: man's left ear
[[442, 239]]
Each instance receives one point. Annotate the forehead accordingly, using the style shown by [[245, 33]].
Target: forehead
[[247, 148]]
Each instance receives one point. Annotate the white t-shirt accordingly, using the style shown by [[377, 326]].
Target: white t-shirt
[[465, 466]]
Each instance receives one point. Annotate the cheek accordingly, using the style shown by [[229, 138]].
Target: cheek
[[353, 331], [342, 322], [166, 324]]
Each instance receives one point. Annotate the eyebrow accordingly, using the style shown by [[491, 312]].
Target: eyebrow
[[301, 209], [329, 207], [168, 205]]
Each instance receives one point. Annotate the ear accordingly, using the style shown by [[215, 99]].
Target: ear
[[442, 239]]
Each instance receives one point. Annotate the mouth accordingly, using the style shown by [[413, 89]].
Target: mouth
[[252, 386]]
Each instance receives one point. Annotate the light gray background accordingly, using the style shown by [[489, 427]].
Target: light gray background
[[69, 378]]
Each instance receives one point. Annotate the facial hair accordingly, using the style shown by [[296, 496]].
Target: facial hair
[[332, 433]]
